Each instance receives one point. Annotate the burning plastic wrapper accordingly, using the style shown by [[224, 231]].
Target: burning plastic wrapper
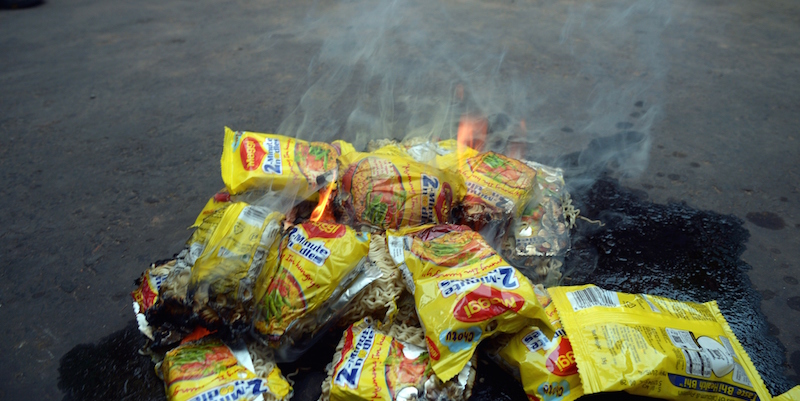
[[371, 364], [384, 191], [147, 294], [321, 268], [544, 365], [539, 237], [463, 291], [211, 282], [207, 368], [221, 288]]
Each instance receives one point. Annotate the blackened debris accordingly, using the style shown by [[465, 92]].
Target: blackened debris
[[112, 369]]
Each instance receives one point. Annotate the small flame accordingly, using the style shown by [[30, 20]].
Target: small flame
[[321, 212], [471, 133]]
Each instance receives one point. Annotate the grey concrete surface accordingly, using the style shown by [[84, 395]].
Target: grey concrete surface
[[111, 117]]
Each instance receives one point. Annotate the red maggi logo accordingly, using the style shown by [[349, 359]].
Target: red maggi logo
[[251, 153], [319, 229], [561, 361], [485, 303]]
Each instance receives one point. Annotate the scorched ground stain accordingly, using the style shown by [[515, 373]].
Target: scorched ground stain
[[669, 250]]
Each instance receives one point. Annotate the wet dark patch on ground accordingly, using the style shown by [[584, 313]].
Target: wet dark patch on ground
[[790, 280], [767, 220]]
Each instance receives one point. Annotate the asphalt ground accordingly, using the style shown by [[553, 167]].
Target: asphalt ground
[[111, 115]]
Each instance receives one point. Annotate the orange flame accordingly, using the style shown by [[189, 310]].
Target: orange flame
[[471, 134], [321, 212]]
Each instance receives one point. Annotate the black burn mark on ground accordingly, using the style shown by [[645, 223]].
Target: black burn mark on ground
[[112, 369]]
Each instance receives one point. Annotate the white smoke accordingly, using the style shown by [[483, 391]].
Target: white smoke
[[573, 71]]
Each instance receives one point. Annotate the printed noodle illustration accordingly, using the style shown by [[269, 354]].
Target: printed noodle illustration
[[377, 191], [314, 159]]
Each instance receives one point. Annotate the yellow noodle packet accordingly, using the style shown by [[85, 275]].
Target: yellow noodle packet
[[374, 366], [497, 186], [216, 202], [654, 346], [792, 395], [372, 363], [389, 191], [545, 365], [232, 244], [463, 291], [267, 161], [315, 259], [207, 369]]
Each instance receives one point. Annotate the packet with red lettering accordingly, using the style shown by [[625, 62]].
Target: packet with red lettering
[[544, 364], [444, 155], [463, 291], [267, 161]]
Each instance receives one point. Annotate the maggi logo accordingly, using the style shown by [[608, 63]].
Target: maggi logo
[[565, 360], [251, 154]]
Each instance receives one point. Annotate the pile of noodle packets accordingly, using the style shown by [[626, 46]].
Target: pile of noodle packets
[[419, 257]]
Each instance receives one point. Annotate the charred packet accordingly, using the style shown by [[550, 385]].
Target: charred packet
[[371, 364], [160, 275], [223, 275], [321, 268], [539, 237], [498, 187], [389, 191], [208, 369], [464, 292]]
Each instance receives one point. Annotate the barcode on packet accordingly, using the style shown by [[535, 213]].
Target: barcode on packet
[[682, 339], [592, 296], [253, 215], [697, 363], [739, 376]]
